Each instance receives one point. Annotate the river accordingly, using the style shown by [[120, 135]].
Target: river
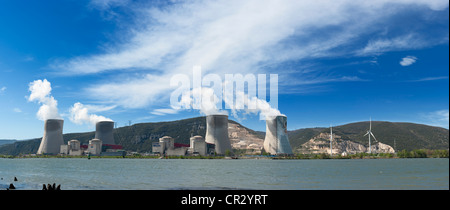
[[217, 174]]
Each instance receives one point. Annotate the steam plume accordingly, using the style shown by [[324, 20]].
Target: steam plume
[[41, 92], [210, 104], [79, 114]]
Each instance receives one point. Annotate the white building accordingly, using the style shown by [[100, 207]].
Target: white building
[[64, 149], [74, 147]]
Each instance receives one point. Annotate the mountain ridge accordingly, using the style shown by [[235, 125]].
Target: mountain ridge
[[139, 137]]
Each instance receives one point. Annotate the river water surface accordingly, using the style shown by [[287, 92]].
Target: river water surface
[[180, 174]]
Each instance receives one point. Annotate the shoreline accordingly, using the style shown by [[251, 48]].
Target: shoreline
[[399, 155]]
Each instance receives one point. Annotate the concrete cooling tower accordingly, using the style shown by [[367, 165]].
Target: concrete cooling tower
[[217, 133], [276, 141], [104, 132], [53, 137]]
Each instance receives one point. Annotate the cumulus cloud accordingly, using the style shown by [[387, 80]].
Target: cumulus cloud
[[233, 36], [79, 114], [41, 93], [408, 60]]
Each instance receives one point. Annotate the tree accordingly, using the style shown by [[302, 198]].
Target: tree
[[228, 152]]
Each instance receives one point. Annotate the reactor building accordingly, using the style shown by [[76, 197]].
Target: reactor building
[[53, 137], [217, 133], [198, 145], [167, 146], [276, 141], [102, 144]]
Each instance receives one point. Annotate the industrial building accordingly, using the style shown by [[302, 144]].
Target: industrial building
[[72, 148], [276, 141], [53, 138], [95, 147], [198, 145], [167, 146], [103, 143]]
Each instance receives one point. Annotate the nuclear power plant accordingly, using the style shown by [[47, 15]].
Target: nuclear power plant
[[217, 133], [167, 146], [53, 138], [276, 141], [104, 132], [216, 141], [101, 145]]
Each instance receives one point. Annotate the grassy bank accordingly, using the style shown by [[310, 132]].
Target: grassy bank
[[119, 157], [421, 153]]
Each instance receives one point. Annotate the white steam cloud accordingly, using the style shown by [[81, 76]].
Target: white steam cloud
[[265, 110], [41, 93], [251, 105], [79, 114], [207, 103], [211, 104]]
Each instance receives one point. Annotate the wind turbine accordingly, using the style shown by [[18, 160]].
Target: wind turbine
[[369, 132], [331, 140]]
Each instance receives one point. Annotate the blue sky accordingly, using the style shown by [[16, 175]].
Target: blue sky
[[338, 61]]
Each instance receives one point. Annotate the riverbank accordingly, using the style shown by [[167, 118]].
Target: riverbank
[[421, 153], [114, 157], [401, 154]]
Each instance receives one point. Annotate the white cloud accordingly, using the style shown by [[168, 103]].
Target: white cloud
[[429, 79], [99, 108], [310, 81], [17, 110], [106, 7], [79, 114], [437, 118], [133, 92], [2, 89], [233, 36], [164, 111], [408, 60], [41, 93], [106, 4]]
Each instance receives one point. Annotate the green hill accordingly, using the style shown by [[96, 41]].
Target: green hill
[[6, 141], [139, 137], [407, 136]]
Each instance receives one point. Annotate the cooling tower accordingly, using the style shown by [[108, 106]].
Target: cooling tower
[[53, 137], [104, 132], [217, 133], [276, 141]]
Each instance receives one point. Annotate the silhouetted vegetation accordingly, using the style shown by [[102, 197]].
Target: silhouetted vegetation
[[422, 153]]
